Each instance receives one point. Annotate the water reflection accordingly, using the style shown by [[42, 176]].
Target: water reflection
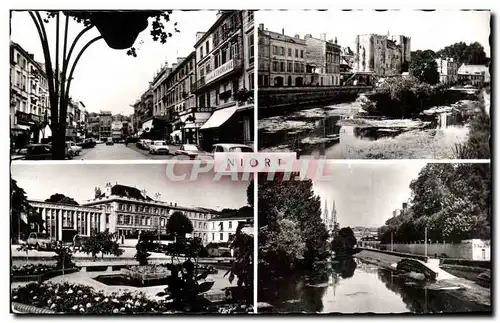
[[350, 286], [318, 132]]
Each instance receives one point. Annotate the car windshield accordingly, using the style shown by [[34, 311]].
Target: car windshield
[[190, 148], [241, 149]]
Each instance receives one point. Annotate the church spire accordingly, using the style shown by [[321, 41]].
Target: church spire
[[334, 213], [325, 214]]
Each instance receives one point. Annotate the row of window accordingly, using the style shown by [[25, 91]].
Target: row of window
[[290, 67], [156, 210], [282, 51]]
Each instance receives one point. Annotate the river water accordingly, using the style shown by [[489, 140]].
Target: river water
[[323, 131], [356, 287]]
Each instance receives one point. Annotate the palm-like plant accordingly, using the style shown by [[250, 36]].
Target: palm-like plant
[[19, 206]]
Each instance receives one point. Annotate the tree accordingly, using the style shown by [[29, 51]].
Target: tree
[[102, 242], [465, 54], [20, 206], [61, 199], [179, 225], [344, 242], [118, 28], [424, 67]]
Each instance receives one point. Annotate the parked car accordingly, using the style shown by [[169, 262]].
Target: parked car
[[158, 147], [87, 143], [19, 153], [38, 152], [99, 141], [41, 241], [188, 150], [231, 148], [109, 141], [74, 147]]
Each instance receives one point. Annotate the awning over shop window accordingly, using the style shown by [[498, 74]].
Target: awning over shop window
[[20, 127], [146, 126], [219, 117]]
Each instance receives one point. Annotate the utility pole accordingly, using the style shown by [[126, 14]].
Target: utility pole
[[425, 241], [392, 241]]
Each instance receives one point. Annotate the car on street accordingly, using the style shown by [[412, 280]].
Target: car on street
[[188, 150], [231, 148], [74, 147], [109, 141], [99, 141], [158, 147], [87, 143]]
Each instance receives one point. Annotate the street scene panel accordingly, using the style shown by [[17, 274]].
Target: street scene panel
[[410, 237], [186, 90], [387, 87], [129, 239]]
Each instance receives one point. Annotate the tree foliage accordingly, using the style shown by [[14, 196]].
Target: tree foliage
[[290, 206], [242, 267], [61, 199], [344, 242], [20, 206], [465, 54], [424, 67], [102, 242], [452, 200], [179, 225]]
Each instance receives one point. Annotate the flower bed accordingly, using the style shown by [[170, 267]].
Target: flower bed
[[38, 272], [79, 299]]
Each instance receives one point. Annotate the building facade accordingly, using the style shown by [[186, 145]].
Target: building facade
[[476, 75], [287, 58], [448, 70], [382, 55], [222, 81], [264, 58], [126, 211], [323, 60], [224, 227], [29, 102], [105, 120]]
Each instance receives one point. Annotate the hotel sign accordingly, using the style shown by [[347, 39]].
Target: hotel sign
[[220, 71]]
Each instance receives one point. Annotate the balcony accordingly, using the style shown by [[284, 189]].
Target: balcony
[[223, 70], [200, 83]]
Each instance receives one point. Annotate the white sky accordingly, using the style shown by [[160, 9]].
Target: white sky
[[428, 30], [107, 79], [366, 194]]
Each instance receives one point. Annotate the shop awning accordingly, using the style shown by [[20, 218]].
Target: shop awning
[[20, 127], [219, 117]]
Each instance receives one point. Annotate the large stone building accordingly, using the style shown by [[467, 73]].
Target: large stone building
[[448, 70], [382, 55], [323, 58], [126, 210], [222, 80], [29, 101], [264, 58], [287, 58]]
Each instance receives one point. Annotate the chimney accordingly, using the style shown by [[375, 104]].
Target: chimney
[[297, 36], [261, 26], [175, 204], [282, 31], [199, 35], [180, 59], [323, 37], [174, 65], [108, 190], [307, 36]]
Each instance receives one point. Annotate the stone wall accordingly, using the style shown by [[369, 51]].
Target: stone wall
[[469, 249]]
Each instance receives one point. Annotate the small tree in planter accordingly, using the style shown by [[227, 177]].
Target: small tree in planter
[[102, 242], [184, 291], [142, 254], [63, 257]]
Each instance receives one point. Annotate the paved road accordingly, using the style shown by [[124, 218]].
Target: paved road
[[120, 152]]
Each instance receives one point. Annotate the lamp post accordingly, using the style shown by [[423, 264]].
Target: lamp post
[[392, 241], [425, 243]]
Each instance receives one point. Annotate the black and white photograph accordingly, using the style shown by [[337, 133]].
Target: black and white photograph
[[118, 85], [381, 238], [375, 84], [128, 239]]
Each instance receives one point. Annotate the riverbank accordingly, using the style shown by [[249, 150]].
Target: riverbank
[[467, 290]]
